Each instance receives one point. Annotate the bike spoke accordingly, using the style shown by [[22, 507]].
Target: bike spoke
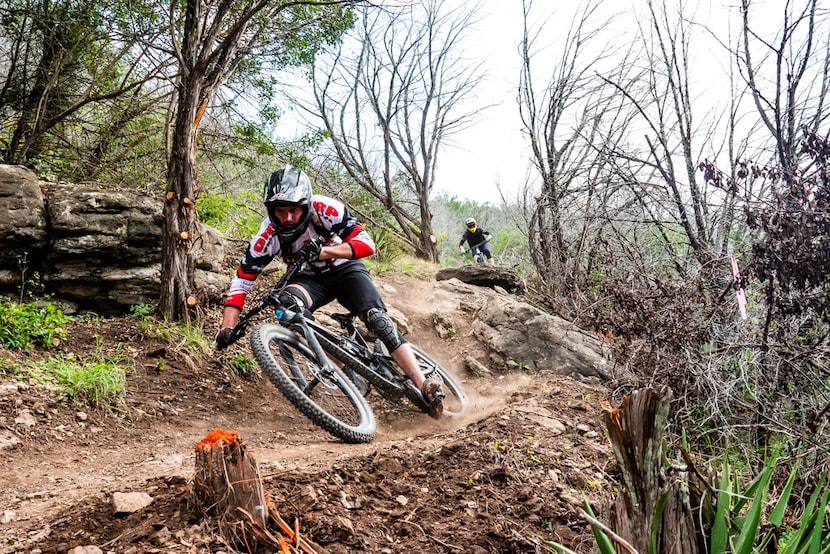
[[313, 385], [320, 388]]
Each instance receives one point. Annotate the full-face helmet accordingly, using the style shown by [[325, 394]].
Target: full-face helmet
[[288, 187], [470, 223]]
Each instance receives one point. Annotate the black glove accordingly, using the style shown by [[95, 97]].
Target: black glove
[[223, 338], [311, 251]]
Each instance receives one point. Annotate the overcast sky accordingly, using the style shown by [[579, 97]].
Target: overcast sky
[[492, 153], [492, 150]]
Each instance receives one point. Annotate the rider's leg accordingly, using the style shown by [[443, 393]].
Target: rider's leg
[[379, 322], [295, 296], [357, 293], [488, 255]]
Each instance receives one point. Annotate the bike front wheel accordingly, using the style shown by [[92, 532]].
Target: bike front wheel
[[317, 388]]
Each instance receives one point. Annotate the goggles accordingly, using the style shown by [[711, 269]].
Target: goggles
[[471, 226]]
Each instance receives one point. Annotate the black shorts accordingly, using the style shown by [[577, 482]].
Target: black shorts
[[349, 284]]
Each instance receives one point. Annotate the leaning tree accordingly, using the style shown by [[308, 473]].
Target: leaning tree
[[391, 100], [211, 44]]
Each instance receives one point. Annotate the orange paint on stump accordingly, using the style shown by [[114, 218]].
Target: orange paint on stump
[[218, 435]]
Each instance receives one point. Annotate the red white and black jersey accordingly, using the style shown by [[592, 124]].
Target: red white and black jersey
[[331, 220]]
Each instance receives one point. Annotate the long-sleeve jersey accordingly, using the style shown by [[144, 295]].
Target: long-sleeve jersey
[[330, 219], [473, 238]]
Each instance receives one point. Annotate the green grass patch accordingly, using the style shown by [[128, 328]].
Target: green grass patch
[[99, 381], [242, 364], [190, 338], [25, 325]]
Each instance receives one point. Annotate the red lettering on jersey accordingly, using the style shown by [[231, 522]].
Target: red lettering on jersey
[[325, 209], [263, 238]]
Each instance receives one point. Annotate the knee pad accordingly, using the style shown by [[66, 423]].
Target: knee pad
[[291, 301], [379, 323]]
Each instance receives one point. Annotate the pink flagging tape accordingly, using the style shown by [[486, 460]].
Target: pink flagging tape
[[738, 284]]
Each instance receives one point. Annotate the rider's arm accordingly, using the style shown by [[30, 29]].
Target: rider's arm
[[344, 250], [262, 249], [335, 216], [230, 316]]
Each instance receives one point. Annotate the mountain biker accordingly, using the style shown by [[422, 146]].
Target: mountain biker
[[296, 218], [477, 238]]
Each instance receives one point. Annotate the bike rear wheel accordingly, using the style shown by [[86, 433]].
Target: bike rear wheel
[[319, 390], [393, 384], [455, 400]]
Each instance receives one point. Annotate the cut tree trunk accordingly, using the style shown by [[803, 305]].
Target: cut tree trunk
[[655, 502], [227, 486]]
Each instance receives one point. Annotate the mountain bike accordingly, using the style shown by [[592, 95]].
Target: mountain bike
[[314, 367], [478, 255]]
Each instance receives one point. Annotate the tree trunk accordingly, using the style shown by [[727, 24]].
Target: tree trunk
[[429, 243], [177, 265], [650, 498]]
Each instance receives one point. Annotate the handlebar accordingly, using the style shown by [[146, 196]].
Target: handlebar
[[271, 298], [477, 245]]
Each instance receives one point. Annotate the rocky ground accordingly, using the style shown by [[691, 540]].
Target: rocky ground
[[510, 476]]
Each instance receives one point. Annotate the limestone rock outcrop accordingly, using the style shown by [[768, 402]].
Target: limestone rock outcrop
[[95, 247]]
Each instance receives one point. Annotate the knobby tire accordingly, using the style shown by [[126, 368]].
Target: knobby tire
[[336, 407]]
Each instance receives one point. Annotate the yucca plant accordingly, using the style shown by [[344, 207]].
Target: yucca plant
[[738, 521]]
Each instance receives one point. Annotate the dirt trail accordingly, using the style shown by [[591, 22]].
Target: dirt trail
[[506, 477]]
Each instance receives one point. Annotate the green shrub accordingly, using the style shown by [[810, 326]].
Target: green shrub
[[142, 309], [23, 325], [242, 364], [235, 215]]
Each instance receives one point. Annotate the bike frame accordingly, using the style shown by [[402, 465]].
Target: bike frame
[[391, 386], [350, 348], [286, 317], [478, 257]]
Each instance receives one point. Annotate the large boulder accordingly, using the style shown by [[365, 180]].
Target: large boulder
[[114, 225], [96, 247], [482, 276], [517, 335]]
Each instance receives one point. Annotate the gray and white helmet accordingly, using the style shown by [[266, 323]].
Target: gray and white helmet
[[288, 187]]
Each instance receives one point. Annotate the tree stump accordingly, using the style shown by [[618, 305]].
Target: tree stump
[[228, 487], [654, 499]]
